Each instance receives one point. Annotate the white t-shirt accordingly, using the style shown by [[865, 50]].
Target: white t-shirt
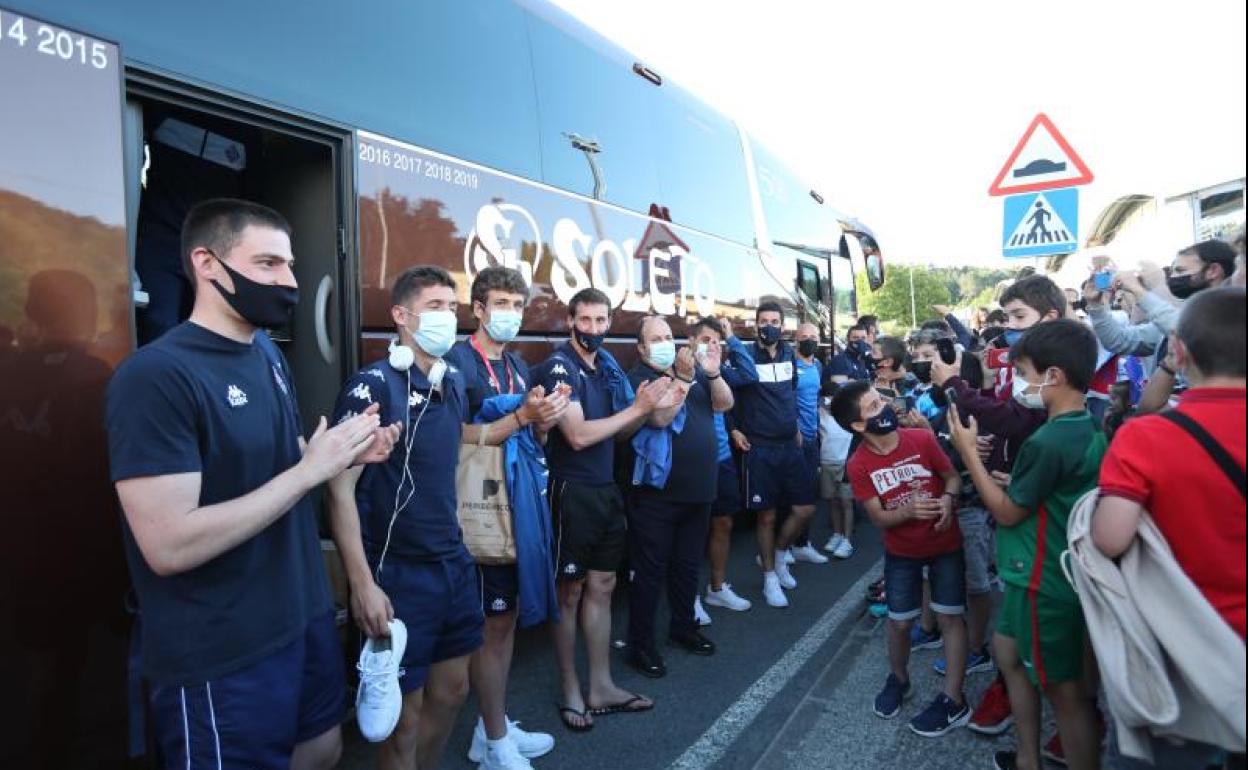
[[834, 440]]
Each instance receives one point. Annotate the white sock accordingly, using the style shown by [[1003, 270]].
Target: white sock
[[495, 744], [770, 575], [780, 554]]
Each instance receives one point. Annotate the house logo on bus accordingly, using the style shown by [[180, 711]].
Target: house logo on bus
[[658, 274]]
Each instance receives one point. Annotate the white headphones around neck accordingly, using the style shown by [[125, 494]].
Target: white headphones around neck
[[401, 356]]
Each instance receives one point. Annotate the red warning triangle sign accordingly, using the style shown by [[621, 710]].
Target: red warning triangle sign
[[1042, 160]]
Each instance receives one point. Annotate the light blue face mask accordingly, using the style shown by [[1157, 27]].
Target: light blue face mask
[[663, 354], [503, 325], [436, 334]]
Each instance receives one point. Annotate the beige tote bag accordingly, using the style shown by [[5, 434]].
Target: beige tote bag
[[484, 507]]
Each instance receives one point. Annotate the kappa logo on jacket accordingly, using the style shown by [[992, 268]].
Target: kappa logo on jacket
[[558, 369], [362, 393]]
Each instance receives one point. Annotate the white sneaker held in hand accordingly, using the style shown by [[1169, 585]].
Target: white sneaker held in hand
[[378, 702]]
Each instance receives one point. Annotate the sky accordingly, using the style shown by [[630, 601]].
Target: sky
[[901, 113]]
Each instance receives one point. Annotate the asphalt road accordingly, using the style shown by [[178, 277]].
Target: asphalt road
[[724, 711]]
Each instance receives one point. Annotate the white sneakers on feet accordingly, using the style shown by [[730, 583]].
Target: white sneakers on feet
[[833, 542], [844, 549], [699, 613], [787, 581], [727, 598], [772, 591], [378, 702], [528, 745], [789, 558], [503, 755], [809, 554]]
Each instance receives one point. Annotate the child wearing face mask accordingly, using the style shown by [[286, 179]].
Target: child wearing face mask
[[892, 362], [909, 488], [1041, 638]]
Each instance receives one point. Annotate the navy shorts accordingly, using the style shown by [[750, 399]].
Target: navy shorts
[[500, 588], [440, 603], [903, 584], [777, 475], [255, 717], [728, 493]]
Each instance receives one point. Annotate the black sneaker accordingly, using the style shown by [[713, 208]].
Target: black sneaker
[[1005, 760], [941, 716], [693, 642], [889, 701]]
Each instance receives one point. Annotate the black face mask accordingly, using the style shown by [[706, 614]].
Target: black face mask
[[808, 347], [264, 305], [591, 342], [1184, 286], [769, 335], [860, 349], [922, 370], [883, 423]]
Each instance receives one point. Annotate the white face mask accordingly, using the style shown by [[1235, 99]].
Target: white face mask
[[663, 354], [436, 334], [1025, 397]]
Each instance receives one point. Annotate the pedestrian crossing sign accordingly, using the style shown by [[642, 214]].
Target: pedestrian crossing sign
[[1041, 223]]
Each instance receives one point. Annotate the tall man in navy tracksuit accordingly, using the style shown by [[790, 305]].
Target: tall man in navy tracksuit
[[775, 468]]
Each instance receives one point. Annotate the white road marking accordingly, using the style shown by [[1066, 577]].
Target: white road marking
[[720, 736]]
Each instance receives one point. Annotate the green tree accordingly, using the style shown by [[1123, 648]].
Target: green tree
[[892, 302]]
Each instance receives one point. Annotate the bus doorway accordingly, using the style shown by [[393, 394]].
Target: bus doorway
[[192, 152]]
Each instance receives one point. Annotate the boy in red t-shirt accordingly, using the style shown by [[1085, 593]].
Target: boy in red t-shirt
[[909, 488], [1154, 464]]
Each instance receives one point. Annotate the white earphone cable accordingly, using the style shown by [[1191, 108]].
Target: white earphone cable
[[406, 476]]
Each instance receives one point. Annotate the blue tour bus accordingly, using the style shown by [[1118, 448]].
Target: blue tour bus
[[463, 134]]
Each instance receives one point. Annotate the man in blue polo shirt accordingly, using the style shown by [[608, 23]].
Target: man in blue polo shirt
[[588, 509], [854, 362], [498, 297], [668, 518], [239, 643], [775, 468], [737, 368], [809, 383], [397, 528]]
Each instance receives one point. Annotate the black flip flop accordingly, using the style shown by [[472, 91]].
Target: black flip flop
[[584, 728], [624, 707]]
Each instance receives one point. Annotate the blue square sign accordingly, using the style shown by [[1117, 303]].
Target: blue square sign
[[1041, 223]]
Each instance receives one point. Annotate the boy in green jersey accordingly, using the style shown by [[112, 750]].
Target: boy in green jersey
[[1041, 638]]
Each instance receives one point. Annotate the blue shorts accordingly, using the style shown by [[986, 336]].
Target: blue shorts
[[777, 475], [903, 584], [440, 603], [728, 493], [255, 717]]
